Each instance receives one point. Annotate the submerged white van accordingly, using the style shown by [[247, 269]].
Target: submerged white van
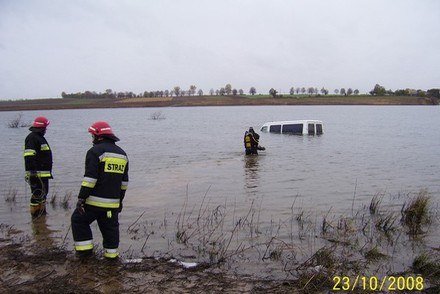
[[295, 127]]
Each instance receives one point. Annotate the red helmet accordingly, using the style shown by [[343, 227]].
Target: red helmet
[[40, 122], [100, 128]]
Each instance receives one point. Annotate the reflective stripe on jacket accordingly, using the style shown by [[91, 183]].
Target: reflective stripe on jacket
[[102, 202]]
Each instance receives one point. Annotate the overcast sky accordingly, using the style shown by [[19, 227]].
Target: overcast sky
[[50, 46]]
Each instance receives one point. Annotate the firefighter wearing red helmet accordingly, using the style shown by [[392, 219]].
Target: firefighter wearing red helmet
[[102, 192], [38, 165]]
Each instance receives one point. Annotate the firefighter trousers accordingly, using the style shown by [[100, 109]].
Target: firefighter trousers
[[39, 189], [108, 223]]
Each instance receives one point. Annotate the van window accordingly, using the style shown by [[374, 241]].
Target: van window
[[319, 129], [264, 129], [275, 129], [293, 128], [311, 128]]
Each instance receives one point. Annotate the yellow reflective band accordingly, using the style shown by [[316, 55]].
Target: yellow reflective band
[[104, 156], [29, 152], [45, 147], [102, 202], [124, 185], [89, 182], [84, 245], [111, 253], [44, 174], [41, 174]]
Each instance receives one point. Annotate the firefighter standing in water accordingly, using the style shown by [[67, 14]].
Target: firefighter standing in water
[[251, 141], [102, 192], [38, 165]]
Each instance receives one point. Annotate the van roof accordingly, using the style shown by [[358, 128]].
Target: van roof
[[300, 121]]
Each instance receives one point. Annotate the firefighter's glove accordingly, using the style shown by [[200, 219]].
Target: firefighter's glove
[[120, 206], [80, 206]]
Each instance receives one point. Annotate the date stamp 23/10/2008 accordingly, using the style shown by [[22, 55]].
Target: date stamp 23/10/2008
[[373, 283]]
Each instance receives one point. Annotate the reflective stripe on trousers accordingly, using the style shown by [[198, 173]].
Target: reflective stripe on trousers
[[41, 173], [83, 245], [111, 253]]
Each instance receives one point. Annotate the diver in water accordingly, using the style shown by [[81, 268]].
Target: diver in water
[[251, 142]]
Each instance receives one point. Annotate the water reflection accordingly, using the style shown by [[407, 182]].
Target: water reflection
[[251, 172], [41, 232]]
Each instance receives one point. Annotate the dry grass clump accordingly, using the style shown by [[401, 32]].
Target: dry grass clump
[[315, 274], [427, 265], [63, 202], [374, 254], [415, 213], [375, 204]]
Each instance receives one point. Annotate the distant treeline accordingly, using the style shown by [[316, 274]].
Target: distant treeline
[[228, 90]]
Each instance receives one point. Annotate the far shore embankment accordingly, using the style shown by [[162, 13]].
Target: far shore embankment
[[75, 103]]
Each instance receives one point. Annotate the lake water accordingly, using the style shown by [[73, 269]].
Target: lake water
[[193, 159]]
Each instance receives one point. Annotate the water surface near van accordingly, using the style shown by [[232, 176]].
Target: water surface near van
[[195, 156]]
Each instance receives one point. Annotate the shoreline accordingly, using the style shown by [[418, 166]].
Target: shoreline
[[188, 101]]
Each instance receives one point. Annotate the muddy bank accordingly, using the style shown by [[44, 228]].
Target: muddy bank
[[42, 267], [41, 262]]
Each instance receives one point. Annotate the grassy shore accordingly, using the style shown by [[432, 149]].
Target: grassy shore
[[385, 249], [72, 103]]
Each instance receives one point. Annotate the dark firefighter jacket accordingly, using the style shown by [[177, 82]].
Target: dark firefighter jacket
[[106, 175], [37, 155]]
